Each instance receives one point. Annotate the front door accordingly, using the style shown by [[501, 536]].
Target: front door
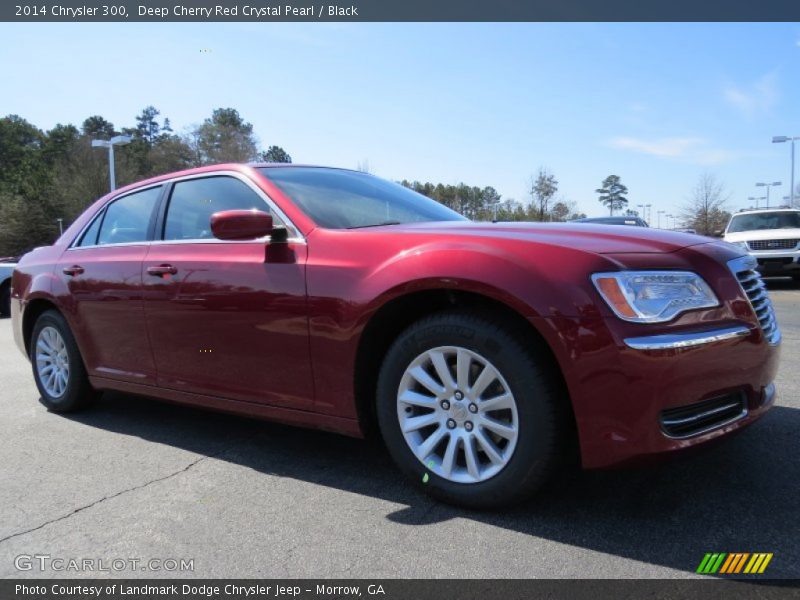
[[224, 319]]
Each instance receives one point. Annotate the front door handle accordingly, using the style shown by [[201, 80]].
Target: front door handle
[[73, 270], [161, 270]]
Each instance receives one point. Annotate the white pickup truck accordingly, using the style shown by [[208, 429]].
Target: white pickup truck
[[772, 236]]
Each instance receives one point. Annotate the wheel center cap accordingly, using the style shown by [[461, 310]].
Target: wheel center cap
[[459, 412]]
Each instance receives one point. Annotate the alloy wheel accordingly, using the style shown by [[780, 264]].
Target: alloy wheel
[[457, 414], [52, 362]]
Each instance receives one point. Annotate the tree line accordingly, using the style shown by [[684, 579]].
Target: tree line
[[486, 204], [51, 176], [47, 176]]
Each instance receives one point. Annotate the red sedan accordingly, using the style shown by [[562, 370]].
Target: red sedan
[[483, 353]]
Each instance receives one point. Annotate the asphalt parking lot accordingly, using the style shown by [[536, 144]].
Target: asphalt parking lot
[[135, 478]]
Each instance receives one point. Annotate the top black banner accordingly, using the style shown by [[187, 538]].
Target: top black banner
[[398, 10]]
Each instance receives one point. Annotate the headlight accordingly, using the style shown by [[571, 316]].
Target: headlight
[[742, 245], [653, 296]]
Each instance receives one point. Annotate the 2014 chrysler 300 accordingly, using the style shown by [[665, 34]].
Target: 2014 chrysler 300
[[483, 352]]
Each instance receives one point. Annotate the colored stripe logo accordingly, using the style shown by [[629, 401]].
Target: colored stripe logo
[[734, 563]]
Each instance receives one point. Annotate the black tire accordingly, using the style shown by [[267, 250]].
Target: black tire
[[796, 277], [5, 299], [78, 393], [543, 430]]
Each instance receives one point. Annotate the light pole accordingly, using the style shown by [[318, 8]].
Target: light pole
[[668, 218], [649, 212], [768, 185], [779, 139], [60, 226], [641, 206], [659, 213], [117, 140], [756, 199]]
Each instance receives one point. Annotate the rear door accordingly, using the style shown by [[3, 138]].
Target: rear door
[[103, 272], [225, 318]]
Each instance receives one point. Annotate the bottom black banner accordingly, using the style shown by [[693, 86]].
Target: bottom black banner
[[394, 589]]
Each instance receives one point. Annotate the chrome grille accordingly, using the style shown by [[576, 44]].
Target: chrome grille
[[749, 278], [773, 244]]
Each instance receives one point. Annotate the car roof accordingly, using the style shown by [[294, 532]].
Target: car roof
[[271, 165], [211, 169]]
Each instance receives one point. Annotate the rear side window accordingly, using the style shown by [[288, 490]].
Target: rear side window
[[127, 220], [194, 201]]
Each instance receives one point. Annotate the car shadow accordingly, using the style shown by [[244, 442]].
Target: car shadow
[[738, 496]]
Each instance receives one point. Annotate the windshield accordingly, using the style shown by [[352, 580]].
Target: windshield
[[767, 220], [339, 199]]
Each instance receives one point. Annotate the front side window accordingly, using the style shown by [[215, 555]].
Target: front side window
[[127, 219], [766, 220], [194, 201], [341, 199], [89, 237]]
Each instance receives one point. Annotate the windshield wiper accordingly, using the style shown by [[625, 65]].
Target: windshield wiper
[[375, 224]]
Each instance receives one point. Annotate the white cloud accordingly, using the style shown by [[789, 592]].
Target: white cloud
[[694, 150], [662, 147], [756, 98]]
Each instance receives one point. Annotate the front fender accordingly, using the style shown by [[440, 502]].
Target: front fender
[[351, 276]]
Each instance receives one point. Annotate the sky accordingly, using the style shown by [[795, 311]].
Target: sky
[[479, 103]]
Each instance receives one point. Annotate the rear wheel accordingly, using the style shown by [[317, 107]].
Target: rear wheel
[[469, 411], [57, 365]]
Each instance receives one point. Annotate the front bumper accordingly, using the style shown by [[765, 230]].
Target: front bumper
[[777, 262], [629, 391]]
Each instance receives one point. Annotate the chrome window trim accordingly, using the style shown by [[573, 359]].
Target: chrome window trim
[[261, 240], [677, 341], [119, 245], [99, 213], [296, 238]]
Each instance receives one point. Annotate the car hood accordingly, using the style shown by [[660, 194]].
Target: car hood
[[599, 239], [763, 234]]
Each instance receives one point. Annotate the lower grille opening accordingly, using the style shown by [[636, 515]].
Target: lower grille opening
[[774, 262], [701, 417]]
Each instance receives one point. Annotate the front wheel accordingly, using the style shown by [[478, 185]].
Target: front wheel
[[57, 365], [470, 411]]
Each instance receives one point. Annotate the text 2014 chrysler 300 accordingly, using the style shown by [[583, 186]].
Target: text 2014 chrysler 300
[[333, 299]]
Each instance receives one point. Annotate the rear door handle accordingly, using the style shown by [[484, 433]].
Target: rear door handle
[[73, 270], [161, 270]]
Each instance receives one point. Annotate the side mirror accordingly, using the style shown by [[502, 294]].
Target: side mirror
[[241, 224], [719, 233]]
